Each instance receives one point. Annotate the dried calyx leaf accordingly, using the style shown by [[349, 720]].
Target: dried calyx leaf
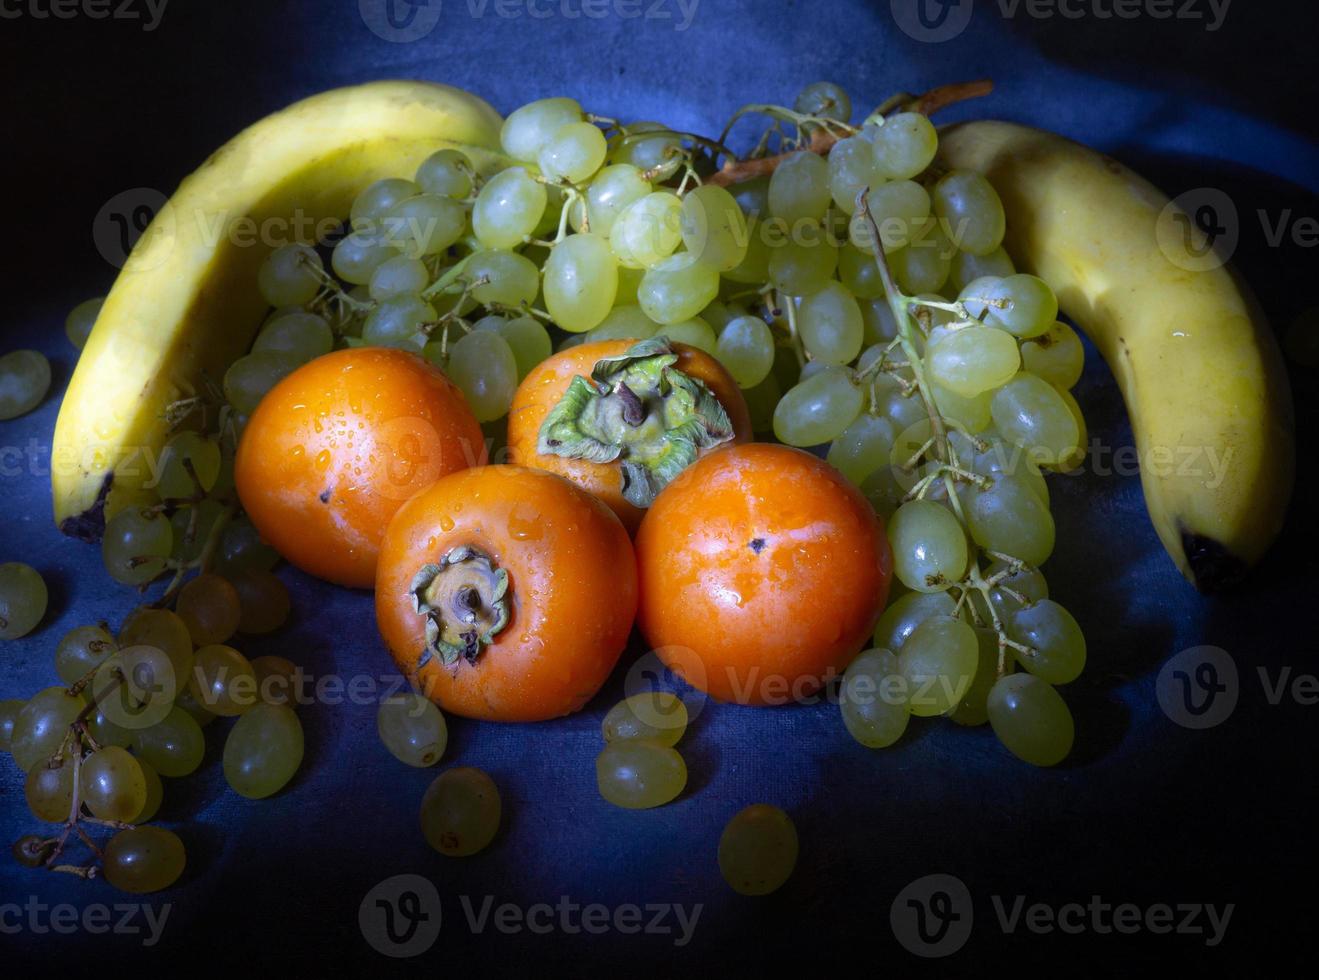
[[464, 599]]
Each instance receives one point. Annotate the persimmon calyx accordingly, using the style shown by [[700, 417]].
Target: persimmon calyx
[[640, 410], [464, 599]]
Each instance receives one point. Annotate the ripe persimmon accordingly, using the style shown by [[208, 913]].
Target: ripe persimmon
[[506, 593], [336, 447], [622, 418], [762, 573]]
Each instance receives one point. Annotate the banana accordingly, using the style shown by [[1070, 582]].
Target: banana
[[186, 305], [1198, 366]]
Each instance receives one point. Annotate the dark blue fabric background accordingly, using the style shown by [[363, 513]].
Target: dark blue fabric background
[[1144, 811]]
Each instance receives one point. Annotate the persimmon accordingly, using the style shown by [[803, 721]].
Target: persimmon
[[506, 593], [336, 447], [622, 418], [762, 573]]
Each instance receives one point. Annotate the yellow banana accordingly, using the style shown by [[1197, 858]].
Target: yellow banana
[[186, 305], [1198, 366]]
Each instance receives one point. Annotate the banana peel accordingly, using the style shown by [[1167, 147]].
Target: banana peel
[[185, 304], [1198, 366]]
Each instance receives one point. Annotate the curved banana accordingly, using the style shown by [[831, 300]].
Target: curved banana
[[1198, 366], [186, 305]]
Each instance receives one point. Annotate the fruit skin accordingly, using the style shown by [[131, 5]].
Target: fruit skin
[[1198, 366], [334, 449], [541, 390], [762, 573], [572, 582], [186, 304]]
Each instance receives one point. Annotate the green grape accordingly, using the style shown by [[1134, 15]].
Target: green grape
[[211, 608], [1010, 519], [907, 612], [400, 276], [677, 288], [135, 546], [818, 409], [303, 336], [192, 524], [761, 402], [746, 348], [574, 153], [24, 381], [263, 602], [1021, 304], [758, 850], [290, 276], [629, 281], [222, 681], [862, 448], [929, 546], [581, 281], [900, 210], [189, 464], [973, 360], [31, 851], [529, 128], [714, 228], [938, 662], [41, 725], [81, 650], [851, 167], [752, 196], [9, 709], [647, 231], [106, 732], [357, 255], [1056, 640], [1004, 457], [824, 99], [923, 266], [371, 206], [1055, 355], [482, 364], [460, 812], [508, 209], [624, 322], [277, 680], [658, 157], [49, 792], [164, 630], [971, 210], [174, 747], [113, 785], [609, 193], [904, 145], [754, 268], [263, 751], [250, 377], [1031, 413], [400, 323], [878, 321], [514, 279], [1031, 719], [135, 687], [241, 547], [657, 716], [143, 859], [639, 773], [973, 710], [859, 273], [413, 729], [155, 793], [873, 699], [1027, 582], [694, 333], [830, 325], [967, 268], [447, 172], [527, 338], [799, 189], [720, 314], [424, 225], [78, 324], [188, 703], [23, 599], [804, 266], [1072, 459]]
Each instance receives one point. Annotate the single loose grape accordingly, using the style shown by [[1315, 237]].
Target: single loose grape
[[862, 447], [113, 785], [23, 599], [143, 859], [263, 751], [211, 608], [508, 209], [136, 545], [1031, 719], [659, 716], [78, 324], [714, 228], [824, 99], [24, 381], [873, 699], [482, 364], [290, 276], [190, 463], [250, 377], [370, 206], [581, 281], [746, 348], [758, 850], [81, 651], [818, 409], [528, 128], [413, 729], [1056, 641], [904, 145], [222, 681], [447, 172], [49, 792], [938, 661], [41, 725], [677, 288], [460, 812], [830, 325], [174, 747], [638, 774]]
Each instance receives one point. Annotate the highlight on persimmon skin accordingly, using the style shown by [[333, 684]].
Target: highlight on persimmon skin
[[506, 593], [762, 574], [545, 387], [335, 448]]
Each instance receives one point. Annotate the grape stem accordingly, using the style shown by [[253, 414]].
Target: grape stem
[[794, 335]]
